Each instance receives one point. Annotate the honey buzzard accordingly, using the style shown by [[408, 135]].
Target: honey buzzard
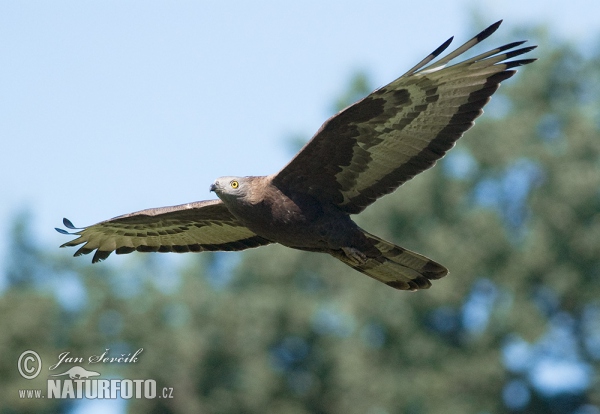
[[360, 154]]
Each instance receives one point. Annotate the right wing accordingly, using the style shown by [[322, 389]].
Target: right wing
[[370, 148], [192, 227]]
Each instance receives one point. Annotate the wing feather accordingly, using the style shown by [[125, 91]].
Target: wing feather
[[370, 148], [192, 227]]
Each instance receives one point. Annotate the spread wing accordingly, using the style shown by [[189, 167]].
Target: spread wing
[[193, 227], [372, 147]]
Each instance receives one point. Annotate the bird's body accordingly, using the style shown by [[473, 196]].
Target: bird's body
[[360, 154], [294, 219], [300, 221]]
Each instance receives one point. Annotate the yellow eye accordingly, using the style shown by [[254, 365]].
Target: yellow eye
[[234, 184]]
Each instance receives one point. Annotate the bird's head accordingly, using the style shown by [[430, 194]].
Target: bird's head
[[227, 188]]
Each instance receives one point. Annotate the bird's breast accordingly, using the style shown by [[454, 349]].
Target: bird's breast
[[298, 221]]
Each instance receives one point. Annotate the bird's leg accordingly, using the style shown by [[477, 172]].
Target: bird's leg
[[356, 257]]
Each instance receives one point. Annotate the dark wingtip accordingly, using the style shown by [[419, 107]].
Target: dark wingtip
[[82, 250], [61, 231], [67, 223], [100, 255], [513, 44], [518, 52], [443, 47], [487, 32], [516, 63]]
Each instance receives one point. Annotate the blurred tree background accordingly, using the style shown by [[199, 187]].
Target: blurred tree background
[[513, 212]]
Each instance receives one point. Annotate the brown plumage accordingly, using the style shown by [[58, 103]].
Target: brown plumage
[[360, 154]]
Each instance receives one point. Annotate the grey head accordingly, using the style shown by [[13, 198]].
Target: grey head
[[229, 188]]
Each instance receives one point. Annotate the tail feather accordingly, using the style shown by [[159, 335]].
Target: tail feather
[[395, 266]]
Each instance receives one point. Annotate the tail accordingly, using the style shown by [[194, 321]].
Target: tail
[[395, 266]]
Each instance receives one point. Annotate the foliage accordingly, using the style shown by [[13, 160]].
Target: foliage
[[513, 212]]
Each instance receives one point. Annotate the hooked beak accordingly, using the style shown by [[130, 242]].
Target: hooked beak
[[213, 187]]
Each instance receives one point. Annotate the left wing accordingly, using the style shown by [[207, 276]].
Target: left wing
[[370, 148], [193, 227]]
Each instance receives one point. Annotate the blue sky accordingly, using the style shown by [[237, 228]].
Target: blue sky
[[111, 107]]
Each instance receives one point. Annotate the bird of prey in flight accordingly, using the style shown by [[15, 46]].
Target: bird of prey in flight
[[360, 154]]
